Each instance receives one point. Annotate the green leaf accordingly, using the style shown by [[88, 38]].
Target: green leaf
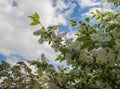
[[92, 12], [90, 48], [73, 23], [80, 30], [34, 23], [93, 47], [32, 17], [42, 28], [37, 16], [97, 11], [111, 42], [87, 19], [63, 50], [111, 27], [87, 44], [84, 38], [97, 17], [59, 58]]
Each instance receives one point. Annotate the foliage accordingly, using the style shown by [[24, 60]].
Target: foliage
[[18, 76], [93, 57]]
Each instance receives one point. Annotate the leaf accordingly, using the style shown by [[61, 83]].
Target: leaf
[[87, 19], [84, 38], [42, 28], [85, 45], [59, 58], [90, 48], [80, 30], [111, 42], [37, 16], [111, 27], [32, 17], [97, 17], [92, 12], [93, 47], [97, 11], [73, 23], [63, 50], [21, 63], [34, 23]]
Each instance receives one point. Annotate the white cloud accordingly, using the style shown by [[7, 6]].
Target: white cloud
[[88, 14], [96, 4], [61, 4], [88, 3], [64, 8], [13, 60], [16, 36]]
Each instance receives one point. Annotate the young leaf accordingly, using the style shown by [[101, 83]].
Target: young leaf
[[42, 28], [97, 11], [37, 16], [34, 23], [73, 23], [32, 17]]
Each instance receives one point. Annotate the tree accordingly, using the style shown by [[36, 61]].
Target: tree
[[94, 56], [18, 76]]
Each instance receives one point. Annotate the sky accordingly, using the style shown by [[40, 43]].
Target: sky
[[17, 41]]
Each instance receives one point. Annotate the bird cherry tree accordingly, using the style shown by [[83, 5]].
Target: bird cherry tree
[[93, 58]]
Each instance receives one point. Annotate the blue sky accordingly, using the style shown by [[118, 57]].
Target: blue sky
[[16, 35]]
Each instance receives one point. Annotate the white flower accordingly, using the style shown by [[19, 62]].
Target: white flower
[[116, 34], [94, 36], [101, 56]]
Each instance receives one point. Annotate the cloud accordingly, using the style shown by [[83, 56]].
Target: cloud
[[88, 3], [13, 59], [88, 14], [17, 36], [64, 8]]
